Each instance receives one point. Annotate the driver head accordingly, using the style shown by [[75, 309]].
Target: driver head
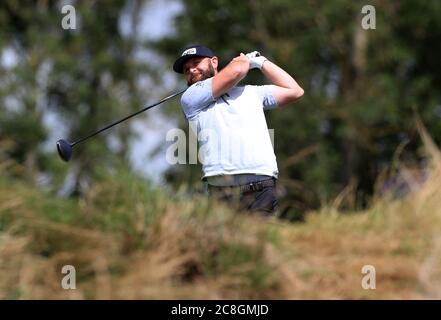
[[64, 149]]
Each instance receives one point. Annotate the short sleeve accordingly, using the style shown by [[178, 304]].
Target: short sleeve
[[197, 97], [266, 96]]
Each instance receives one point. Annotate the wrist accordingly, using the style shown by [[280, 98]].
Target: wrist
[[258, 62]]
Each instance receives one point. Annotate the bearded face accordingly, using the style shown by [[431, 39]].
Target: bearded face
[[198, 69]]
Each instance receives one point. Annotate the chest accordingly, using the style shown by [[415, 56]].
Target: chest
[[237, 102]]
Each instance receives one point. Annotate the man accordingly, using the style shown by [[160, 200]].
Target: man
[[238, 160]]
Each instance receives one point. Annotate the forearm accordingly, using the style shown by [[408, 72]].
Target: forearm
[[278, 76], [284, 89], [230, 76], [235, 71]]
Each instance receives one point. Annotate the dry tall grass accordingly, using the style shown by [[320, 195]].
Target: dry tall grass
[[129, 242]]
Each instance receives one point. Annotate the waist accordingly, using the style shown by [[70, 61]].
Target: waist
[[235, 179], [248, 187]]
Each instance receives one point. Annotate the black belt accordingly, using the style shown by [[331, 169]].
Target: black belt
[[253, 186]]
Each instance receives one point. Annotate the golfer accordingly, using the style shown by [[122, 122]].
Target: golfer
[[237, 156]]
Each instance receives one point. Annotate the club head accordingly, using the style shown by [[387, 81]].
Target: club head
[[64, 149]]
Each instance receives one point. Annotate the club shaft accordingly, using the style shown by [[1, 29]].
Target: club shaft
[[128, 117]]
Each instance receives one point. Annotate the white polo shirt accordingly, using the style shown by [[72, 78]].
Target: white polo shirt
[[232, 132]]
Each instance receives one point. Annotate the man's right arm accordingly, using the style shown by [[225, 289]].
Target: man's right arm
[[230, 76]]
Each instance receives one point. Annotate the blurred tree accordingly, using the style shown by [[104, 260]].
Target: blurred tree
[[362, 87], [88, 76]]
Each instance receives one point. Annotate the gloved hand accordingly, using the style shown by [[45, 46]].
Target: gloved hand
[[256, 60]]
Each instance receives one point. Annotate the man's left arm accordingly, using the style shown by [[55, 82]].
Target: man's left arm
[[284, 89]]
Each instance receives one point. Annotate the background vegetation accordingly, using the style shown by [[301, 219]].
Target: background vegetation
[[128, 241], [357, 185]]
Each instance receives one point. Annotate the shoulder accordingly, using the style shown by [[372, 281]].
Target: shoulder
[[198, 86], [197, 97], [197, 91]]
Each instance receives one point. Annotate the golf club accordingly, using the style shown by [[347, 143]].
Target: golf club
[[65, 148]]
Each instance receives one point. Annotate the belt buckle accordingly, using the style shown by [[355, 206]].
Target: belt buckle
[[256, 186]]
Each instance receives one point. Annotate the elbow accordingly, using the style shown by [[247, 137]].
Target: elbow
[[296, 93], [285, 96]]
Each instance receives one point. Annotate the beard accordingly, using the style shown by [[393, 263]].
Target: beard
[[202, 76]]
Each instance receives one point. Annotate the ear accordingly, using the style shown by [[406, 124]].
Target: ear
[[214, 62]]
